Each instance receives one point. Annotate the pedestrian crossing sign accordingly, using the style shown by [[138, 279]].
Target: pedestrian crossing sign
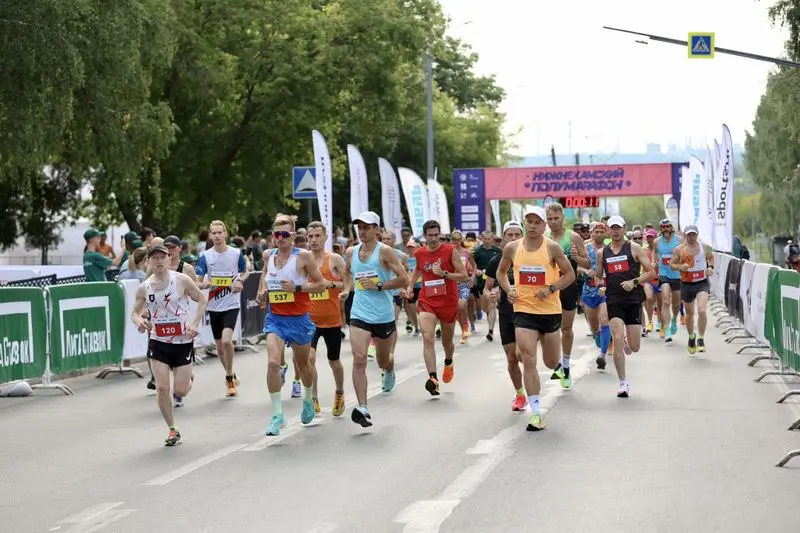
[[701, 45]]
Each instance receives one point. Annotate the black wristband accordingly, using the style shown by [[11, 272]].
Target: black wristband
[[298, 288]]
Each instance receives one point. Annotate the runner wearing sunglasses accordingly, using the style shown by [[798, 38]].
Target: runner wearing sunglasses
[[668, 279]]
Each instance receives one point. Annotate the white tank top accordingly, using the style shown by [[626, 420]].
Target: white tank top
[[168, 312], [288, 272], [222, 271], [697, 272]]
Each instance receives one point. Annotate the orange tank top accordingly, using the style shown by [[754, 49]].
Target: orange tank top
[[534, 271], [325, 307]]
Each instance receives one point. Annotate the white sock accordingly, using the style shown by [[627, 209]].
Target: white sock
[[565, 360], [307, 394], [533, 401], [277, 406], [623, 383]]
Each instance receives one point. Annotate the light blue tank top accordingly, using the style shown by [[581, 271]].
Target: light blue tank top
[[664, 251], [372, 307], [588, 288], [412, 265]]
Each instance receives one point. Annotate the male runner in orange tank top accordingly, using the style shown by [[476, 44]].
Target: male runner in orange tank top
[[326, 313], [537, 262]]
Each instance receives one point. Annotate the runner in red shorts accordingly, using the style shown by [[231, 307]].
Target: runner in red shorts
[[441, 269]]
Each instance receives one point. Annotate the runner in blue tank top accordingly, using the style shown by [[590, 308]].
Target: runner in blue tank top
[[594, 303], [369, 270], [668, 279]]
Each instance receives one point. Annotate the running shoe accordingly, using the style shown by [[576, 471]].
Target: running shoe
[[275, 425], [409, 327], [338, 404], [177, 402], [307, 414], [371, 350], [284, 368], [438, 332], [597, 339], [662, 331], [361, 416], [317, 408], [432, 386], [296, 391], [558, 372], [683, 320], [151, 385], [701, 344], [478, 314], [649, 327], [601, 362], [464, 336], [232, 391], [389, 378], [623, 390], [692, 347], [235, 379], [449, 372], [519, 403], [490, 336], [673, 327], [173, 438], [566, 381], [535, 422]]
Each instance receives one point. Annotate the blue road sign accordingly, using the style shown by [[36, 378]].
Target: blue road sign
[[304, 183], [701, 45]]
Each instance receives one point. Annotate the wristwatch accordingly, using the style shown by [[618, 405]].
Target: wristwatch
[[333, 285], [379, 285], [445, 274], [635, 282], [298, 288], [552, 288]]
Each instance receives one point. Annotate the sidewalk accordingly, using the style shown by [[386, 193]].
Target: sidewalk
[[692, 450]]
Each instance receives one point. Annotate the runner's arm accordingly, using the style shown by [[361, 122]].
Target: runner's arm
[[243, 271], [347, 276], [337, 265], [583, 256], [392, 262], [491, 274], [316, 282], [656, 259], [563, 264], [139, 305], [648, 272], [505, 263], [676, 263], [598, 267], [191, 290], [189, 271], [460, 274]]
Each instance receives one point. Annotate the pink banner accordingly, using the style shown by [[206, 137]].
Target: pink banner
[[592, 180]]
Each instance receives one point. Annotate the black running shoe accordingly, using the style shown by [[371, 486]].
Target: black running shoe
[[362, 419]]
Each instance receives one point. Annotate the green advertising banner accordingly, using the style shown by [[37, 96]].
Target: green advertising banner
[[23, 333], [88, 325], [782, 323]]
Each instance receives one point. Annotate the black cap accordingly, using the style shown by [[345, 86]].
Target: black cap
[[157, 248], [172, 240]]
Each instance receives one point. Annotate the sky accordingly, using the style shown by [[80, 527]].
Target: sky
[[558, 66]]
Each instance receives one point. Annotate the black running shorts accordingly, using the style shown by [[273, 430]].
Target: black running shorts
[[222, 320], [569, 297], [379, 331], [630, 313], [172, 355], [542, 323], [689, 291], [333, 341], [506, 324]]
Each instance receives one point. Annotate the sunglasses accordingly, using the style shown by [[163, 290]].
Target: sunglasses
[[281, 234], [636, 238]]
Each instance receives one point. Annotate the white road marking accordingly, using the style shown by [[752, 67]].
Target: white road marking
[[427, 516], [91, 512], [172, 475], [94, 518]]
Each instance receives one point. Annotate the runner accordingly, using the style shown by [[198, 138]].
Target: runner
[[481, 256], [165, 296], [464, 288], [291, 274], [668, 279], [695, 261], [626, 267], [326, 313], [369, 268], [594, 303], [388, 238], [512, 231], [222, 269], [411, 299], [441, 269], [652, 291], [537, 262], [572, 245]]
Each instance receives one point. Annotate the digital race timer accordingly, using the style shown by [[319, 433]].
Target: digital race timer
[[579, 202]]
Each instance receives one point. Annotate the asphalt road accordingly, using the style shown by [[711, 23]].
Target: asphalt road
[[691, 450]]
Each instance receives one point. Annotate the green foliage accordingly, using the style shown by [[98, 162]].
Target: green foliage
[[642, 210], [179, 112]]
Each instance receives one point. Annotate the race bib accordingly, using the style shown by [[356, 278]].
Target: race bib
[[324, 295], [276, 293], [371, 274], [532, 276], [618, 264], [435, 287], [665, 259], [222, 279], [168, 327], [696, 275]]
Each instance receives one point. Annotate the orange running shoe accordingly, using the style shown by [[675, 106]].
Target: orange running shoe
[[448, 373], [519, 403], [230, 382]]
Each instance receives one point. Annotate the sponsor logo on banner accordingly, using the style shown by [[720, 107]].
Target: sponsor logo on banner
[[470, 199], [16, 334], [722, 192], [790, 305], [85, 326]]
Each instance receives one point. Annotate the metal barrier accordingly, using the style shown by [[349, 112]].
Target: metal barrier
[[42, 281], [761, 303]]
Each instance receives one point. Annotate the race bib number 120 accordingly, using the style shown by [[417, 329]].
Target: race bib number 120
[[168, 328]]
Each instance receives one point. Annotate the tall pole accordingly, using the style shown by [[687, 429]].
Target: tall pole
[[429, 98]]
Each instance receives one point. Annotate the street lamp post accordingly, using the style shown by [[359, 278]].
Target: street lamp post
[[429, 98]]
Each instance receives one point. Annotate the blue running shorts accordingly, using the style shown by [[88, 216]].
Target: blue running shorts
[[463, 291], [291, 329], [593, 301]]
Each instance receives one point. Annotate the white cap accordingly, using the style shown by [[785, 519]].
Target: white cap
[[535, 210], [616, 220], [511, 224], [368, 217], [690, 229]]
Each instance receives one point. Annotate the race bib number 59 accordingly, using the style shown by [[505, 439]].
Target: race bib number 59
[[618, 264]]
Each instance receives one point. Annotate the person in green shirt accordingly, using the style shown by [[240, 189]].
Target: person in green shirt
[[95, 263]]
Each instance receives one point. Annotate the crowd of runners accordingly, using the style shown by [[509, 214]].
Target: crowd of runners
[[530, 282]]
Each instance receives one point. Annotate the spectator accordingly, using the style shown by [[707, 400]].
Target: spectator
[[148, 235], [254, 250], [136, 266], [203, 240], [300, 241], [95, 263], [104, 248]]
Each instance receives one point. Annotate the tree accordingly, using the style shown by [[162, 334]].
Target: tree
[[641, 209]]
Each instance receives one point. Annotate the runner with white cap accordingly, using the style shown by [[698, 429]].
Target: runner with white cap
[[695, 261], [537, 263], [626, 267], [370, 266]]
